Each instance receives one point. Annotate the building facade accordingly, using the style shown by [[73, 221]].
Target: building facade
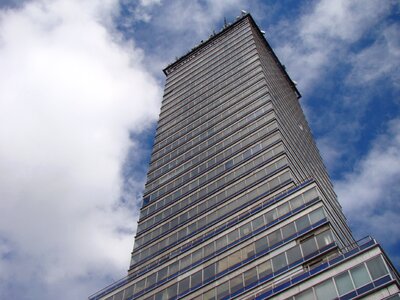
[[238, 203]]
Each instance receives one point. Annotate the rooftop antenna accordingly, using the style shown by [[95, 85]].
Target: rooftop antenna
[[225, 24], [243, 12]]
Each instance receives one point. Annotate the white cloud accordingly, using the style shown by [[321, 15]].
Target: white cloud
[[369, 194], [319, 39], [380, 60], [70, 92]]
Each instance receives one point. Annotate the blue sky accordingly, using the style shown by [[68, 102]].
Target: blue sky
[[80, 92]]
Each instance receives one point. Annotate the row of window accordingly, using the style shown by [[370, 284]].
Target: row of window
[[200, 120], [260, 246], [164, 165], [217, 49], [153, 180], [180, 180], [226, 62], [248, 135], [214, 216], [255, 68], [270, 217], [222, 120], [212, 188], [203, 58], [232, 147], [209, 88], [201, 106], [248, 278], [346, 282], [225, 163]]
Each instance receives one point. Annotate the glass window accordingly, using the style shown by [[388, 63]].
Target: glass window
[[209, 271], [185, 261], [274, 237], [271, 216], [288, 230], [222, 265], [343, 283], [258, 222], [310, 194], [250, 276], [325, 290], [309, 246], [248, 251], [296, 202], [264, 269], [317, 215], [283, 209], [324, 238], [162, 295], [236, 283], [162, 274], [235, 258], [302, 223], [233, 236], [197, 255], [360, 275], [223, 290], [171, 291], [221, 242], [151, 279], [208, 249], [306, 295], [139, 286], [209, 295], [294, 254], [196, 279], [245, 229], [279, 261], [183, 285], [261, 245], [376, 267], [119, 295]]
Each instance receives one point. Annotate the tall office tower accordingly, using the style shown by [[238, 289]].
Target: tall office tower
[[238, 203]]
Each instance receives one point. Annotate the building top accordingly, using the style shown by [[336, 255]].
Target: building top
[[204, 45]]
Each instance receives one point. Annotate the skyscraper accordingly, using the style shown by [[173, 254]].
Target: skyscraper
[[238, 203]]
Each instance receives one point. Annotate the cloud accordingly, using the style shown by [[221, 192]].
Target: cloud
[[319, 39], [369, 194], [71, 91], [380, 60]]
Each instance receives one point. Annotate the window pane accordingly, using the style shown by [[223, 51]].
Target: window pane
[[302, 223], [245, 229], [209, 295], [183, 285], [296, 202], [325, 290], [261, 245], [223, 290], [196, 279], [306, 295], [309, 246], [274, 237], [250, 276], [324, 238], [317, 215], [288, 230], [343, 283], [360, 276], [171, 291], [119, 295], [222, 265], [235, 258], [258, 222], [283, 209], [377, 267], [209, 271], [236, 283], [233, 236], [248, 251], [279, 261], [264, 269], [293, 254]]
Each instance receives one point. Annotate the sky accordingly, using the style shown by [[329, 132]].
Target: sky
[[80, 92]]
